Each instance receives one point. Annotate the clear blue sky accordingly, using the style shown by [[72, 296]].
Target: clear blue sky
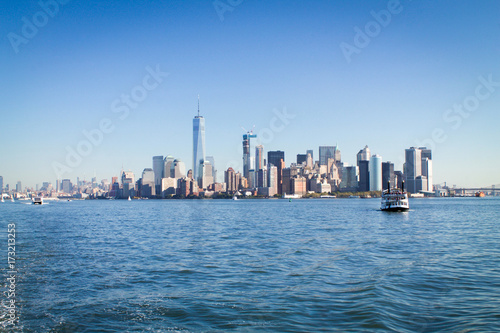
[[263, 56]]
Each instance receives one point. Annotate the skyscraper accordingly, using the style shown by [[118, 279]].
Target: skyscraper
[[128, 184], [148, 183], [206, 177], [427, 172], [272, 179], [67, 187], [336, 154], [19, 187], [426, 156], [388, 175], [259, 158], [363, 155], [214, 170], [1, 184], [158, 171], [413, 168], [277, 158], [198, 143], [247, 149], [177, 169], [310, 151], [376, 173], [168, 162], [418, 169], [259, 165], [349, 178], [326, 152], [274, 157], [301, 158], [363, 158], [230, 180]]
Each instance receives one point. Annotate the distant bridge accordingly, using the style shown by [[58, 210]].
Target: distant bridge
[[492, 189]]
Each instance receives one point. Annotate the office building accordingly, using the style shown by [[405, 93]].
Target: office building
[[388, 175], [427, 168], [272, 179], [350, 178], [364, 175], [230, 180], [169, 186], [148, 187], [421, 183], [398, 179], [168, 163], [301, 158], [262, 177], [198, 143], [66, 186], [310, 151], [326, 152], [158, 170], [274, 157], [363, 155], [128, 184], [309, 160], [277, 158], [376, 173], [211, 159], [298, 185], [259, 158], [427, 172], [177, 169], [206, 177], [127, 177], [1, 184], [248, 160], [337, 155], [418, 162]]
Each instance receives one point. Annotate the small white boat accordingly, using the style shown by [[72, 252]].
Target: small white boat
[[129, 198], [37, 201], [2, 199], [12, 198], [235, 197], [394, 200]]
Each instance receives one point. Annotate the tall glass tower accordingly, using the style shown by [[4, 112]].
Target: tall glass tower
[[248, 160], [375, 166], [198, 142]]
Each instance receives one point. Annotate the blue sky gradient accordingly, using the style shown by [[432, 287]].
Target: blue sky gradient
[[263, 57]]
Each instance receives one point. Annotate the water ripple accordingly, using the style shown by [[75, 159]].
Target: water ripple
[[257, 265]]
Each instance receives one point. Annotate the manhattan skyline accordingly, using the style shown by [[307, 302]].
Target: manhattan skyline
[[429, 76]]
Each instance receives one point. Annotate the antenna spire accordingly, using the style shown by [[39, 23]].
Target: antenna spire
[[198, 105]]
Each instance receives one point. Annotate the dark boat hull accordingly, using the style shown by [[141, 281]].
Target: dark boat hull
[[395, 209]]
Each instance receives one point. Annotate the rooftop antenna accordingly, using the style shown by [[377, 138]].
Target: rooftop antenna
[[198, 105]]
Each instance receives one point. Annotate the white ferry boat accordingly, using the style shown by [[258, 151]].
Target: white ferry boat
[[37, 201], [395, 200]]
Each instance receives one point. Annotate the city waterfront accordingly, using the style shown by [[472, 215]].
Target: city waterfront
[[255, 265]]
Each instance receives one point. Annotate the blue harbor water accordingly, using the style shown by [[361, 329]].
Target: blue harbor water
[[254, 265]]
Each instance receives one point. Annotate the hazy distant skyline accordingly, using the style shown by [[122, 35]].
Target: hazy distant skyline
[[430, 71]]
